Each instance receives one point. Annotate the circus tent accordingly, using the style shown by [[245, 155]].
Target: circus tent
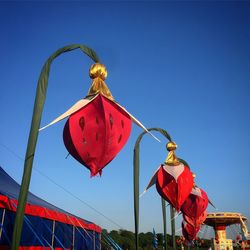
[[45, 225]]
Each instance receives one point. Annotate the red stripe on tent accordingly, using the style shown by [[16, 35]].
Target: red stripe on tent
[[11, 204], [34, 248]]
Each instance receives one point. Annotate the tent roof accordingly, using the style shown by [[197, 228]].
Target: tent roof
[[10, 188]]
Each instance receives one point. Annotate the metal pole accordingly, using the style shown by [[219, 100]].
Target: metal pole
[[53, 234], [73, 238], [163, 203], [1, 228], [173, 226]]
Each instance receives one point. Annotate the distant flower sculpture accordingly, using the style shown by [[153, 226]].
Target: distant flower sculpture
[[196, 203], [194, 212], [97, 127], [174, 180], [189, 231], [196, 221]]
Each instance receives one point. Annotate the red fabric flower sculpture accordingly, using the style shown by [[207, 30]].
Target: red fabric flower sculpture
[[196, 221], [173, 180], [174, 184], [189, 231], [194, 212], [96, 133], [195, 204], [97, 127]]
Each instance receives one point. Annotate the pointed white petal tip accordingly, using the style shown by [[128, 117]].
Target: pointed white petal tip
[[144, 192], [40, 129]]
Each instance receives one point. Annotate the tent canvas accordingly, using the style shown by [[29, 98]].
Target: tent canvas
[[45, 225]]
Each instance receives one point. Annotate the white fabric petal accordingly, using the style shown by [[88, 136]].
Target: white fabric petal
[[80, 104], [151, 182], [196, 191], [175, 171]]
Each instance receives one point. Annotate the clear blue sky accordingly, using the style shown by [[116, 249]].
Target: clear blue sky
[[182, 66]]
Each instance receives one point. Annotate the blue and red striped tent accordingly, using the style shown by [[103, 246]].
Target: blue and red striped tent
[[45, 225]]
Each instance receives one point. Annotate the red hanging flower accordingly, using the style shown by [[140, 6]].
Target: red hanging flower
[[189, 231], [96, 133], [98, 127], [174, 184], [195, 221], [195, 204]]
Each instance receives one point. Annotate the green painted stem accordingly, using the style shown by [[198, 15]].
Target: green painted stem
[[173, 226], [163, 203], [33, 135], [136, 179]]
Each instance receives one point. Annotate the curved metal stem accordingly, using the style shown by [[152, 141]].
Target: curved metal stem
[[33, 135], [136, 180]]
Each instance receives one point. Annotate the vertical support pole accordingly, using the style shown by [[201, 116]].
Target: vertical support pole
[[53, 234], [100, 239], [73, 238], [1, 226], [94, 239], [163, 203], [173, 226], [136, 192]]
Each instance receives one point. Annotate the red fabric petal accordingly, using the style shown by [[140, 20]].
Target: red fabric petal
[[189, 231], [196, 221], [96, 133], [175, 192], [195, 205]]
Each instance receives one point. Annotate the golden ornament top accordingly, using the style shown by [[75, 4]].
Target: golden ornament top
[[98, 70], [171, 146], [99, 73], [171, 159]]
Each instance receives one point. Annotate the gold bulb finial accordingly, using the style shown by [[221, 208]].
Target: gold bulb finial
[[98, 70], [171, 146], [171, 159], [99, 73]]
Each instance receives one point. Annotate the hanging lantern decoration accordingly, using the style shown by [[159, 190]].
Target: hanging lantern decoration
[[97, 127], [174, 181], [195, 204]]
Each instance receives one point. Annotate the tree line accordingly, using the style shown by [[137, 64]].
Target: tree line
[[126, 240]]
